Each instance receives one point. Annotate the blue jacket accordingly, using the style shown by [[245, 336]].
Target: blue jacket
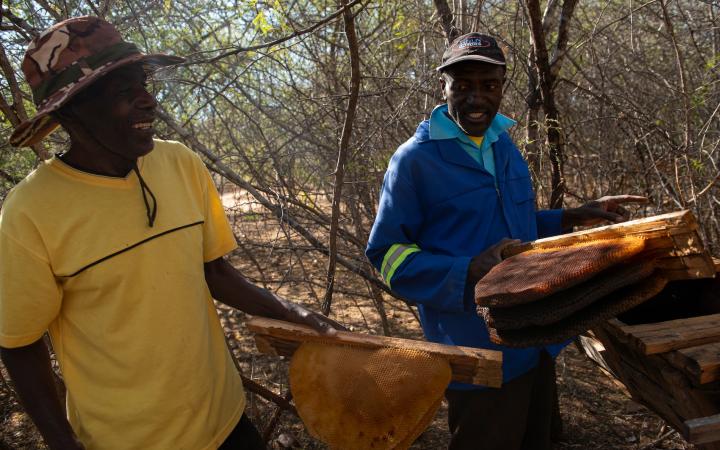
[[439, 208]]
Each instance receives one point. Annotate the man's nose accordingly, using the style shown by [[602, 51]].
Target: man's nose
[[474, 98]]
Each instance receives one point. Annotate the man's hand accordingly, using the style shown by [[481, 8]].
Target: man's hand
[[299, 314], [605, 209], [481, 264]]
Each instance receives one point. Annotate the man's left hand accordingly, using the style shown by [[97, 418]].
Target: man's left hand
[[605, 209]]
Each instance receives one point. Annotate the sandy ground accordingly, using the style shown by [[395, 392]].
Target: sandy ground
[[597, 412]]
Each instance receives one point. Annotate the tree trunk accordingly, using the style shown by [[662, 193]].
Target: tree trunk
[[547, 76], [447, 21]]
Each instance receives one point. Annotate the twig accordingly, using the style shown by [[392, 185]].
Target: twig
[[20, 23], [94, 8], [256, 388], [50, 10], [16, 113], [278, 41], [283, 403], [350, 113], [9, 177], [277, 211], [268, 431], [658, 440], [706, 188]]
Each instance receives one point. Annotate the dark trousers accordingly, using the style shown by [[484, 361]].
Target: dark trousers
[[243, 437], [522, 415]]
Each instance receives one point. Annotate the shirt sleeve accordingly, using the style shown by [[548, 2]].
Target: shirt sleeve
[[549, 223], [410, 271], [218, 237], [30, 297]]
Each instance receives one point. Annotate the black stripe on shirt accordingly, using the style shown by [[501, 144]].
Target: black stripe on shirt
[[105, 258]]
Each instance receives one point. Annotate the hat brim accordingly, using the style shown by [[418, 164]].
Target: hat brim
[[471, 58], [33, 130]]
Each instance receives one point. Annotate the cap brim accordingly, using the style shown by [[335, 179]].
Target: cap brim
[[471, 58], [42, 124]]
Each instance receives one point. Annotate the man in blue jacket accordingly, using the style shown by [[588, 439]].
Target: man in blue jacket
[[453, 197]]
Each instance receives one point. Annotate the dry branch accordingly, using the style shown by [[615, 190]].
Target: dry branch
[[279, 41], [547, 81], [277, 211], [262, 391], [21, 24], [350, 112], [16, 112], [447, 21]]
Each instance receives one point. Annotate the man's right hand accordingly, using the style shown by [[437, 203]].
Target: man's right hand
[[481, 264]]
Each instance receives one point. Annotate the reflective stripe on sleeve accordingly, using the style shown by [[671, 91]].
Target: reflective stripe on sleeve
[[394, 257]]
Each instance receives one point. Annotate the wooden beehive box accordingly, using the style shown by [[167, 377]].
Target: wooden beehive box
[[673, 236], [468, 365], [667, 353]]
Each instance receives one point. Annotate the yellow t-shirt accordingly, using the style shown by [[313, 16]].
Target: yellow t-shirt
[[131, 319]]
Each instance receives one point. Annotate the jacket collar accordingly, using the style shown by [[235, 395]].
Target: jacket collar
[[442, 127]]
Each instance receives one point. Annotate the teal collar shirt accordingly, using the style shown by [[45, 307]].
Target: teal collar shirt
[[443, 127]]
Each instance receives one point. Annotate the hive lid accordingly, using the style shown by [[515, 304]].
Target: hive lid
[[675, 234]]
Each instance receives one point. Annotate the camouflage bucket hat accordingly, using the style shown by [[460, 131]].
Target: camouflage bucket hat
[[67, 58]]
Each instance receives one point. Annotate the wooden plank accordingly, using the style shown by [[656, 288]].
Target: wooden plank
[[653, 227], [702, 430], [469, 365], [674, 235], [642, 378], [653, 382], [663, 337], [700, 363], [687, 262], [687, 267]]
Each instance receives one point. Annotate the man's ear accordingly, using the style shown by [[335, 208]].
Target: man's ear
[[443, 82], [69, 120], [65, 116]]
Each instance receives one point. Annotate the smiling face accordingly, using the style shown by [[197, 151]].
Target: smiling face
[[118, 112], [473, 91]]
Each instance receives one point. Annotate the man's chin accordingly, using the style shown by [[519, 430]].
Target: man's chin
[[474, 129], [144, 147]]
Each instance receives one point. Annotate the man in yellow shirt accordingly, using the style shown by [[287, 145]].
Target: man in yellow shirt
[[116, 248]]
